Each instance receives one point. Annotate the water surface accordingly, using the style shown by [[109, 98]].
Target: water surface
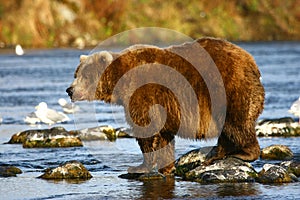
[[43, 75]]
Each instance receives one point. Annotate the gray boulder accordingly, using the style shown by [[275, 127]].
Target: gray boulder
[[231, 170], [275, 174], [190, 167], [292, 167]]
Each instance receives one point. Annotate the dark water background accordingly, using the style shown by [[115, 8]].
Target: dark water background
[[43, 75]]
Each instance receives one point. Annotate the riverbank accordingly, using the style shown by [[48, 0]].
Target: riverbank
[[46, 23]]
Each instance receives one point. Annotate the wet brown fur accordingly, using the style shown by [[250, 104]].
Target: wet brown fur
[[244, 97]]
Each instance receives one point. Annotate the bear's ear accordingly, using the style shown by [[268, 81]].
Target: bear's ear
[[105, 57], [83, 58]]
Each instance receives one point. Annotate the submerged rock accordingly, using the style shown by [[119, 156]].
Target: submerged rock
[[143, 177], [49, 138], [275, 174], [68, 170], [277, 152], [9, 170], [284, 127]]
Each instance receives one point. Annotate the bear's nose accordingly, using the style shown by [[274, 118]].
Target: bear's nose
[[70, 91]]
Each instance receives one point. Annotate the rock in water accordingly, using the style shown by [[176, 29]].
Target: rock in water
[[292, 166], [20, 137], [230, 170], [68, 170], [9, 170], [275, 174], [49, 138], [281, 127], [101, 133], [143, 177], [277, 152], [191, 160]]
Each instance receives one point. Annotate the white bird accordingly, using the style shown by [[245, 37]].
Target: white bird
[[31, 118], [49, 116], [68, 107], [1, 120], [295, 109], [19, 50]]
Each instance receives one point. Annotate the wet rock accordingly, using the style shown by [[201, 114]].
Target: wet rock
[[230, 170], [123, 132], [9, 170], [292, 167], [68, 170], [284, 127], [101, 133], [277, 152], [275, 174], [191, 160], [143, 177], [59, 137], [20, 137], [49, 138]]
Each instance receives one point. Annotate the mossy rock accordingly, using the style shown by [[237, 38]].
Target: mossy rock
[[19, 138], [9, 170], [67, 170], [275, 174], [277, 152], [53, 143], [292, 167]]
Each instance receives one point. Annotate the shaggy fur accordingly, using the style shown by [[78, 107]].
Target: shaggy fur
[[110, 77]]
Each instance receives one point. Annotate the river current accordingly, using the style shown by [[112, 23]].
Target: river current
[[44, 75]]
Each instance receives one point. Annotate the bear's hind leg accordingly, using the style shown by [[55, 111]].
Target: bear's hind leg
[[158, 153], [249, 152], [230, 145]]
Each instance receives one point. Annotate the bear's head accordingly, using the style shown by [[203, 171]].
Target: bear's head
[[88, 83]]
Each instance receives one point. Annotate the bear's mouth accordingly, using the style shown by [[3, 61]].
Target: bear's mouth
[[75, 96]]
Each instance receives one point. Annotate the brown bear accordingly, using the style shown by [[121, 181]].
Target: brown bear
[[154, 85]]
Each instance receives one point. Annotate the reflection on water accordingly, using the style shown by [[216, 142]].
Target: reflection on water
[[156, 189]]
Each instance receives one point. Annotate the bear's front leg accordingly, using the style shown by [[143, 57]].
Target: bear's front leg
[[158, 153]]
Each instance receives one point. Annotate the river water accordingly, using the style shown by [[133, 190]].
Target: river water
[[43, 75]]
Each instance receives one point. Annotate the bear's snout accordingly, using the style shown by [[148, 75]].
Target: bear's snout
[[70, 91]]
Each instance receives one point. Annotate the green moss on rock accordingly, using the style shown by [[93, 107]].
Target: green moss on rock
[[67, 170], [277, 152], [9, 170]]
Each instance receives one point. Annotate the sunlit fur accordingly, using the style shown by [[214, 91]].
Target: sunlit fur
[[240, 76]]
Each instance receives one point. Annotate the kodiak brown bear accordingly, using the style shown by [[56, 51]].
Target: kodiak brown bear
[[198, 90]]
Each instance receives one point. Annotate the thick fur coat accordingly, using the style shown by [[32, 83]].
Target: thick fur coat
[[206, 92]]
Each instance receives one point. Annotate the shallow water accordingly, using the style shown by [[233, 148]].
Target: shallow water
[[44, 75]]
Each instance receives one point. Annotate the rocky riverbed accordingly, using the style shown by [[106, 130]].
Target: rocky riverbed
[[189, 166]]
